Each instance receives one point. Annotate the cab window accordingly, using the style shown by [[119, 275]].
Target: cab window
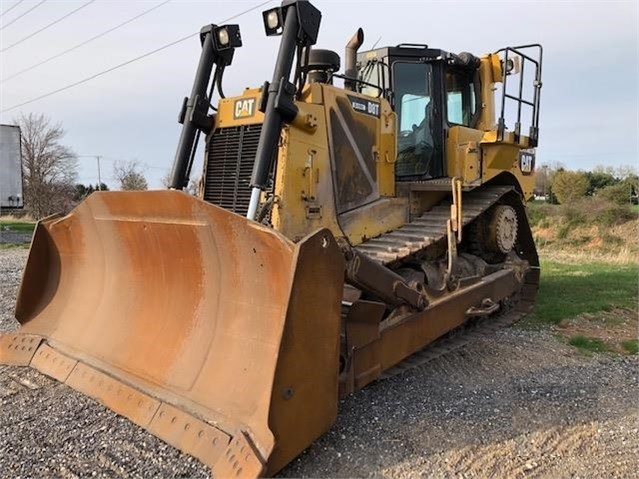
[[414, 108], [372, 78], [460, 98]]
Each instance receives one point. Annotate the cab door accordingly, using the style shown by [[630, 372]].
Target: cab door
[[418, 104]]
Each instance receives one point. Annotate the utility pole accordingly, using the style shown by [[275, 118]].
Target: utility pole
[[97, 157]]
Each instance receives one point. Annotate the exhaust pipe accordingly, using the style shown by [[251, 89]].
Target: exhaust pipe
[[350, 59]]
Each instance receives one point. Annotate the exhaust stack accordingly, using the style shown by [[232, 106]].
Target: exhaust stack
[[350, 59]]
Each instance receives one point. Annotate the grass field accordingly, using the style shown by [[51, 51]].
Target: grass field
[[590, 305], [14, 246], [16, 225], [570, 289], [590, 273]]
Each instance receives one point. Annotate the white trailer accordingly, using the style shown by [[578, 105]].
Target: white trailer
[[11, 196]]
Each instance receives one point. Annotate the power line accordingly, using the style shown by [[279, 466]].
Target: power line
[[48, 26], [104, 72], [20, 16], [11, 7], [159, 174], [100, 35], [115, 160], [128, 62]]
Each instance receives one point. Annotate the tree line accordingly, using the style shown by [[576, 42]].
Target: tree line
[[50, 169], [558, 185]]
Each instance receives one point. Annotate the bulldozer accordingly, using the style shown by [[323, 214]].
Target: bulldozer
[[337, 232]]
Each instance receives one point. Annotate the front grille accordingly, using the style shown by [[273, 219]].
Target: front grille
[[231, 154]]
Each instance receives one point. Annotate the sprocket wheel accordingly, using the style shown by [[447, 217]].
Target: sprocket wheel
[[502, 229]]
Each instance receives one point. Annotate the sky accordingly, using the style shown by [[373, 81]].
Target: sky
[[589, 99]]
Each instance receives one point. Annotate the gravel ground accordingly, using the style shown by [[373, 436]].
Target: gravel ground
[[517, 404], [13, 237]]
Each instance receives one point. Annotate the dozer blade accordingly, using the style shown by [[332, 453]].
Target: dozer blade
[[216, 334]]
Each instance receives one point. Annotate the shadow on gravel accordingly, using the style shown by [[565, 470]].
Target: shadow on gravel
[[488, 398], [515, 403]]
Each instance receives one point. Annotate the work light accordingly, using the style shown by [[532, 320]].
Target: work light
[[273, 21], [227, 36]]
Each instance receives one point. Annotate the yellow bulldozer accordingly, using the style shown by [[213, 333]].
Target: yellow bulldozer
[[338, 231]]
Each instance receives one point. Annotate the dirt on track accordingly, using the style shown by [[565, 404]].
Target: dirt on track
[[516, 404]]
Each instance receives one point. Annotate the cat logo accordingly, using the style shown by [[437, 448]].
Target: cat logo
[[527, 162], [244, 108]]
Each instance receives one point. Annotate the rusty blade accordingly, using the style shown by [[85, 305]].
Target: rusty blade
[[168, 296], [18, 349]]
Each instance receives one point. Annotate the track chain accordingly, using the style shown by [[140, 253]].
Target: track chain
[[430, 228], [458, 338], [512, 310]]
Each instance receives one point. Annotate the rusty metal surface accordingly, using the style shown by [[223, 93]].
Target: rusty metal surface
[[188, 433], [173, 305], [18, 349], [370, 275], [125, 400], [239, 460], [398, 340], [362, 323], [52, 363], [305, 390], [401, 344]]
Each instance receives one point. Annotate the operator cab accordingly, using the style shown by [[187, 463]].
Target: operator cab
[[430, 90]]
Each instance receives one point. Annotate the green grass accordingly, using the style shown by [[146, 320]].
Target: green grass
[[592, 345], [4, 246], [569, 289], [17, 226], [631, 345]]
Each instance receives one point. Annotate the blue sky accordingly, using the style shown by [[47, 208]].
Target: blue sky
[[589, 98]]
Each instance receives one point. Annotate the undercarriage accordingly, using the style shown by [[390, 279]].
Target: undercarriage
[[488, 279]]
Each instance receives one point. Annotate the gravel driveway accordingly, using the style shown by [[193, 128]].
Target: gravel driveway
[[516, 404]]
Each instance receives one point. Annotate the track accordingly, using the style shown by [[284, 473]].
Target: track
[[463, 335], [429, 230]]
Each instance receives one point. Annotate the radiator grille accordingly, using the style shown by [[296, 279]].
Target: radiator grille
[[231, 153]]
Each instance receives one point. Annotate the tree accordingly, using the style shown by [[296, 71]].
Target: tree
[[49, 168], [620, 193], [552, 171], [82, 191], [633, 180], [129, 176], [194, 187], [166, 180], [568, 186], [542, 181], [625, 171], [598, 180]]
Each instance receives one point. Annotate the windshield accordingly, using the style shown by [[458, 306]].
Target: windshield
[[372, 79], [413, 105]]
